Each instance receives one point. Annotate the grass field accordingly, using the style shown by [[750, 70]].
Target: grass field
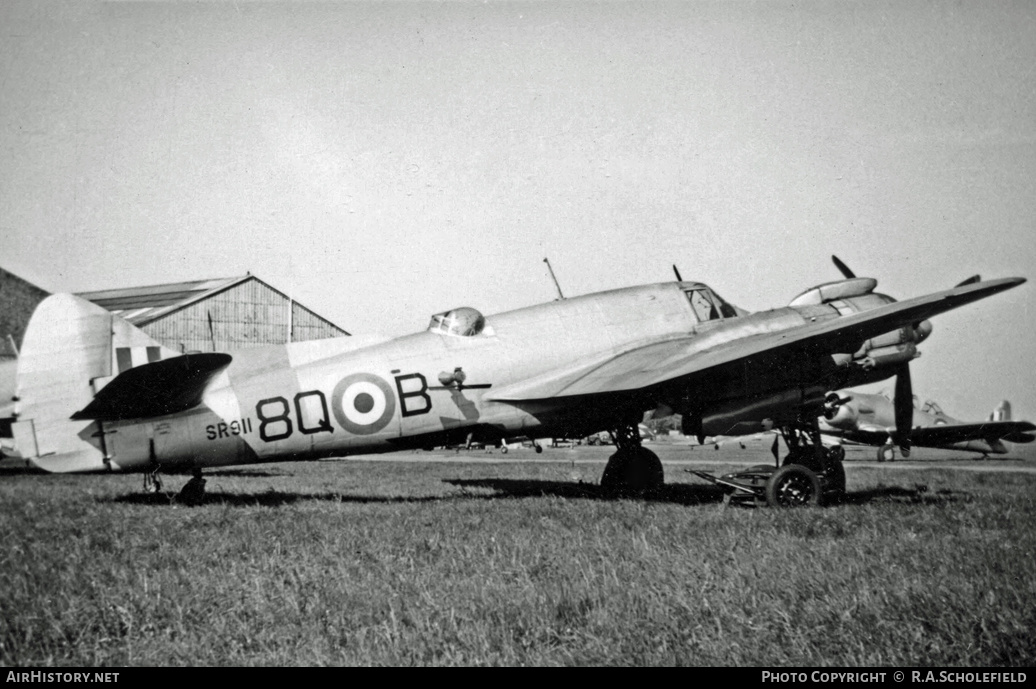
[[493, 562]]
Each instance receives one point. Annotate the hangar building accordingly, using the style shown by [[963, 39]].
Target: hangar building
[[18, 299], [216, 315]]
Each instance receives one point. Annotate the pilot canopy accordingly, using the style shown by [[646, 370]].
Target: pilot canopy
[[707, 305], [462, 322]]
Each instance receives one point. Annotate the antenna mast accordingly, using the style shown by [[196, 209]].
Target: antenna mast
[[552, 277]]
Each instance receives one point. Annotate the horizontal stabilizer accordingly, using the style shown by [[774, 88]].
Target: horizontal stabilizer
[[156, 389]]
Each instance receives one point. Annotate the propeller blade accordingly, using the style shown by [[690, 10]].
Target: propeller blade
[[678, 278], [775, 448], [849, 275], [971, 280], [904, 408]]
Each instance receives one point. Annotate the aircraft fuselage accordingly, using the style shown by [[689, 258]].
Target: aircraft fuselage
[[312, 400]]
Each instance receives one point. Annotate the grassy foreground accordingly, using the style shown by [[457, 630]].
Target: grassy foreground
[[376, 563]]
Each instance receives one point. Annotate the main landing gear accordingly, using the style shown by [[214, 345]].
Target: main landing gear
[[632, 467], [810, 474]]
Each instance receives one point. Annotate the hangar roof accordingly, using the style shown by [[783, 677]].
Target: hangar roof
[[141, 305]]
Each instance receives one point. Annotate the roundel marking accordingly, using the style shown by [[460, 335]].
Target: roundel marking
[[363, 403]]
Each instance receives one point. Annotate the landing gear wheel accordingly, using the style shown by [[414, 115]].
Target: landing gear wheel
[[539, 448], [834, 483], [503, 449], [633, 469], [836, 453], [886, 453], [793, 485]]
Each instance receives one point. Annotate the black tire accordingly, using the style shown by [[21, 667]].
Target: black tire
[[834, 483], [793, 485], [638, 469]]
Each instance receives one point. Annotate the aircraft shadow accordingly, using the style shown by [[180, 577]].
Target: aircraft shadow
[[693, 494], [681, 494], [678, 493], [504, 489], [15, 468], [250, 473], [270, 498]]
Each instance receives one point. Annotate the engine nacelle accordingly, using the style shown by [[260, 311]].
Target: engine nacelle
[[832, 291], [896, 347]]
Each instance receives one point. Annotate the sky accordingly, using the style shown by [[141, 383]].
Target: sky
[[383, 161]]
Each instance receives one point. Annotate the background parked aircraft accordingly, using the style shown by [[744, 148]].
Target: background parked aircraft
[[870, 419]]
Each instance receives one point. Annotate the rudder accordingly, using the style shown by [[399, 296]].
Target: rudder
[[71, 349]]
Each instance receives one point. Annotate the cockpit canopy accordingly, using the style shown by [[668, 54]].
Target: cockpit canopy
[[462, 322], [707, 305], [931, 407]]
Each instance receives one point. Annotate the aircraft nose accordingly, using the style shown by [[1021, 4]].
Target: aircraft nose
[[844, 418], [922, 331]]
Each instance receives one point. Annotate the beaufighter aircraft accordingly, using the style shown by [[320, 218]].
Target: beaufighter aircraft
[[870, 419], [96, 394]]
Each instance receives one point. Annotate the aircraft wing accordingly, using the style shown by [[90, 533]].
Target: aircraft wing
[[990, 431], [657, 363], [156, 389]]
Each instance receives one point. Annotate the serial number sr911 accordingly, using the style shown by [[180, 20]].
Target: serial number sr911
[[361, 403]]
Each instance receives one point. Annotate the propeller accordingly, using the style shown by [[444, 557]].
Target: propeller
[[675, 270], [903, 400], [842, 268], [903, 405]]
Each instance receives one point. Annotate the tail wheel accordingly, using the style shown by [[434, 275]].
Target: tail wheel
[[152, 482], [793, 485]]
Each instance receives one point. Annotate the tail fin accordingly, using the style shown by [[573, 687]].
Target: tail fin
[[1002, 412], [71, 350]]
